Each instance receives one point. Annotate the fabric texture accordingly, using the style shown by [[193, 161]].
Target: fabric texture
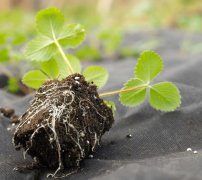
[[157, 148]]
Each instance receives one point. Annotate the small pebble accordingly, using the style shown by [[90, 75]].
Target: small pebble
[[8, 129], [13, 124], [129, 136], [15, 119], [189, 149], [91, 156], [87, 142], [15, 169], [195, 152]]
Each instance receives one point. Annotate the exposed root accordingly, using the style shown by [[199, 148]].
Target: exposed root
[[61, 176], [57, 106]]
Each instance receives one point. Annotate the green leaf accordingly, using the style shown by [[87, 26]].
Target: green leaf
[[72, 35], [50, 21], [111, 105], [34, 79], [164, 96], [50, 68], [133, 98], [96, 74], [63, 67], [53, 33], [149, 65], [40, 49]]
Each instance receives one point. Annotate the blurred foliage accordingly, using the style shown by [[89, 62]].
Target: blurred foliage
[[192, 47], [13, 85], [185, 14]]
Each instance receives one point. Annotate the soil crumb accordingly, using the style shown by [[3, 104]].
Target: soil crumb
[[64, 123], [10, 113]]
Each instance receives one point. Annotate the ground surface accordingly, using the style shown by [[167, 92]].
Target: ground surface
[[157, 148]]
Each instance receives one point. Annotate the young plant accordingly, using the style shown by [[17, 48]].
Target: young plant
[[67, 117], [163, 96]]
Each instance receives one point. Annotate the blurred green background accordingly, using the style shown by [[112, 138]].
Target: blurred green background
[[108, 24]]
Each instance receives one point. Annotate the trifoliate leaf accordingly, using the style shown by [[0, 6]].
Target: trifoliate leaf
[[96, 74], [50, 21], [53, 35], [135, 97], [149, 65], [34, 79], [111, 105], [63, 67], [164, 96], [50, 68], [40, 49]]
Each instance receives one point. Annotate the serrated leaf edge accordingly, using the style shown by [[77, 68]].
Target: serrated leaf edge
[[124, 88], [180, 98], [140, 58]]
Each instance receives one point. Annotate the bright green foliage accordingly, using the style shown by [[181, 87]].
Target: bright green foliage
[[13, 85], [149, 65], [111, 105], [53, 33], [34, 79], [41, 48], [50, 68], [4, 54], [72, 36], [164, 96], [62, 66], [50, 21], [97, 75], [48, 47], [56, 64], [133, 98]]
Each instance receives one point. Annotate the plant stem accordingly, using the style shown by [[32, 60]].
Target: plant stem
[[62, 52], [64, 56], [122, 90]]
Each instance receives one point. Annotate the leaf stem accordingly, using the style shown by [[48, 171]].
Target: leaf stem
[[121, 90], [62, 52], [64, 56]]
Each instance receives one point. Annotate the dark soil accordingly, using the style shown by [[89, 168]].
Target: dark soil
[[7, 112], [10, 113], [64, 123]]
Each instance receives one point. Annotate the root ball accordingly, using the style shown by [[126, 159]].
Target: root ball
[[64, 123]]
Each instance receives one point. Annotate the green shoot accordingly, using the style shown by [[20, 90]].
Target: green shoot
[[48, 47], [53, 37], [163, 96]]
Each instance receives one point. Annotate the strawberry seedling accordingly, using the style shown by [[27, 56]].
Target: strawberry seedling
[[67, 117]]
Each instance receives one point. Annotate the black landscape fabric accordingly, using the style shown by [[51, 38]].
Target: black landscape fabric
[[157, 148]]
